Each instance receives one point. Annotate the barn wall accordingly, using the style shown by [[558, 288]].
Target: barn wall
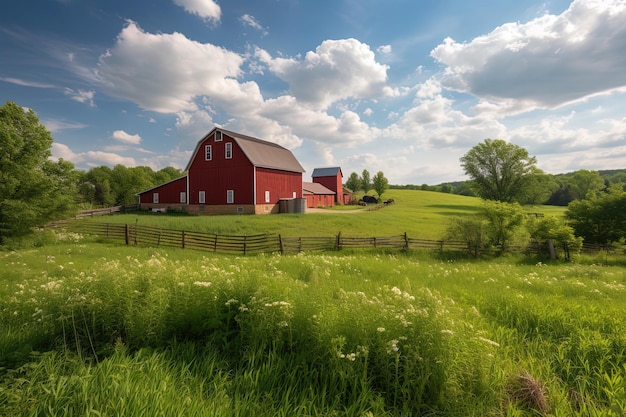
[[169, 193], [333, 183], [218, 175], [203, 209], [280, 184]]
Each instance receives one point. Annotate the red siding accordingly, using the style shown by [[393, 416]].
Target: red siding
[[169, 193], [218, 175], [332, 183], [280, 184]]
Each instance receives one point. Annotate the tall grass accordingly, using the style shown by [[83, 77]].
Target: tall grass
[[88, 329]]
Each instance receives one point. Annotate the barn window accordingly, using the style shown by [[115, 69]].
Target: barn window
[[155, 198], [218, 136], [183, 197], [267, 196], [201, 197], [207, 153], [229, 150], [230, 196], [294, 194]]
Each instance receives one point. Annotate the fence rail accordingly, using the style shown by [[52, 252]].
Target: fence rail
[[267, 243]]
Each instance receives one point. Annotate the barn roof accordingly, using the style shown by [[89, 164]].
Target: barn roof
[[315, 188], [261, 153], [326, 172]]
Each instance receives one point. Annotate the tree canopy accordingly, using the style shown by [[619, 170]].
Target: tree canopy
[[380, 183], [499, 170], [33, 189]]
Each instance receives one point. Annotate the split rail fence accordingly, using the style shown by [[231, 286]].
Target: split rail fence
[[250, 244], [267, 243]]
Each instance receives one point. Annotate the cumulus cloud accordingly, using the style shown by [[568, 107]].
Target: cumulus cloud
[[384, 49], [90, 158], [336, 70], [165, 72], [208, 10], [121, 136], [546, 62]]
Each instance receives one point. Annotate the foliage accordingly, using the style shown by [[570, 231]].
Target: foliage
[[499, 170], [134, 331], [503, 220], [586, 184], [366, 181], [380, 183], [539, 188], [33, 189], [353, 183], [470, 230], [601, 219], [556, 229]]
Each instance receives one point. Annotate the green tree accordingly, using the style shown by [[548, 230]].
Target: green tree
[[353, 183], [33, 189], [539, 188], [498, 170], [380, 183], [586, 183], [503, 220], [366, 181], [470, 230], [602, 219], [558, 231]]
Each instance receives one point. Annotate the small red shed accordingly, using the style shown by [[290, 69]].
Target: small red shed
[[317, 195]]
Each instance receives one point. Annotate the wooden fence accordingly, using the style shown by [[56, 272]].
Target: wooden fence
[[267, 243], [107, 210]]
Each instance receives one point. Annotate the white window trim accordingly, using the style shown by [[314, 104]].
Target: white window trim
[[228, 150], [208, 153], [201, 197], [267, 196], [183, 197], [155, 198], [230, 196], [218, 136]]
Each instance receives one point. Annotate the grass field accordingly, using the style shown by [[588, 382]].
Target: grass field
[[97, 329], [421, 214]]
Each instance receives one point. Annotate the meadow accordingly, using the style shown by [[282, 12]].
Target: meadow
[[89, 327], [421, 214]]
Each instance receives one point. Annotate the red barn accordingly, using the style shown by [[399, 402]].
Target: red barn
[[330, 178], [317, 195], [230, 173]]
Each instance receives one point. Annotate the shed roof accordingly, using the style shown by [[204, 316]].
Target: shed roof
[[326, 172], [261, 153], [315, 188]]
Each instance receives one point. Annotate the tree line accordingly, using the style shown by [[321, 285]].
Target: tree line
[[35, 190]]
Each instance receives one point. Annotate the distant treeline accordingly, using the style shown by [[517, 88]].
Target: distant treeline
[[560, 189]]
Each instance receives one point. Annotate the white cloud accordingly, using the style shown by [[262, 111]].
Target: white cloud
[[54, 125], [384, 49], [82, 96], [546, 62], [25, 83], [250, 21], [208, 10], [165, 72], [90, 158], [336, 70], [121, 136]]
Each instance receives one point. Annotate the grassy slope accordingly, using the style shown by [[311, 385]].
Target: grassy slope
[[421, 214]]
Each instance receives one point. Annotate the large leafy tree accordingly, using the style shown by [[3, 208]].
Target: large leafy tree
[[586, 183], [499, 170], [602, 219], [380, 183], [366, 181], [33, 189]]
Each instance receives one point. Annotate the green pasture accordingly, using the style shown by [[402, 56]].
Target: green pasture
[[421, 214], [90, 328]]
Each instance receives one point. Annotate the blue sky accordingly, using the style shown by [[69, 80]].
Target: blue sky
[[400, 86]]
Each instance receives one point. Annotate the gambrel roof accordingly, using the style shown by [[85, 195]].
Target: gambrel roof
[[261, 153], [326, 172]]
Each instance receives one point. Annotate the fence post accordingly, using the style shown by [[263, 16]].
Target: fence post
[[406, 241], [126, 234], [245, 238], [280, 244], [215, 244], [183, 239], [338, 243]]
